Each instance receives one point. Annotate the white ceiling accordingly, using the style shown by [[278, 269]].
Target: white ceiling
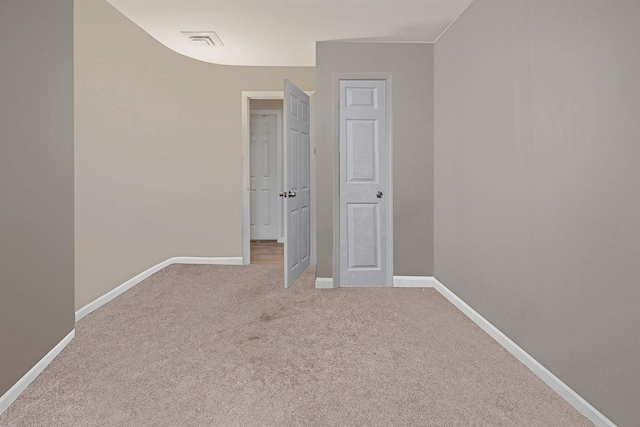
[[284, 32]]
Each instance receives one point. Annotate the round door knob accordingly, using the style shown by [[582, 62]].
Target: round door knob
[[379, 194], [292, 194]]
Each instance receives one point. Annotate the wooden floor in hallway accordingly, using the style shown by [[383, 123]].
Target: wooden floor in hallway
[[267, 252]]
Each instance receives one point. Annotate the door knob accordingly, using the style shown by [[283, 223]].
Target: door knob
[[379, 194], [281, 194], [292, 194]]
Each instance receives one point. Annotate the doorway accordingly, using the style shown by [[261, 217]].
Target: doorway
[[265, 100], [265, 180], [265, 176]]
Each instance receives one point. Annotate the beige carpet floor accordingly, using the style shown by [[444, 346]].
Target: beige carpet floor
[[228, 346]]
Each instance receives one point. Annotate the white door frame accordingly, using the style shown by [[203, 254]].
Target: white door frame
[[336, 167], [247, 96], [278, 115]]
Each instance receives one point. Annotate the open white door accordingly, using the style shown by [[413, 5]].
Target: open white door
[[296, 191]]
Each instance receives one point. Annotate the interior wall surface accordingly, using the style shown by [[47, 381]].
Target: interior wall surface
[[411, 69], [537, 183], [36, 182], [158, 150], [266, 104]]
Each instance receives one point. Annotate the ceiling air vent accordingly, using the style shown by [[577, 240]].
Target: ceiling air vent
[[203, 38]]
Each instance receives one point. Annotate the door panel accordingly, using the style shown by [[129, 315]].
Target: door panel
[[362, 151], [363, 184], [296, 177], [263, 177], [363, 222]]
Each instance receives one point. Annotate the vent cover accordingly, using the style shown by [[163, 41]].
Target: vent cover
[[203, 38]]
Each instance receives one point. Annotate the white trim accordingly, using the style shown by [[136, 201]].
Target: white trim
[[12, 394], [99, 302], [92, 306], [236, 260], [573, 398], [414, 282], [313, 171], [324, 283]]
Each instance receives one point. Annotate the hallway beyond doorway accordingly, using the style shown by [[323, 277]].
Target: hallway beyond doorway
[[267, 252]]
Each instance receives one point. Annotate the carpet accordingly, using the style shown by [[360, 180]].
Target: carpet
[[207, 345]]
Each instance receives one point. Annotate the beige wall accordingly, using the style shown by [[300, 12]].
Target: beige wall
[[158, 150], [536, 184], [36, 182], [266, 104], [411, 66]]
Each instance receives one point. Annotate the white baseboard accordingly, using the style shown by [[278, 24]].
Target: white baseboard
[[573, 398], [94, 305], [145, 274], [209, 261], [324, 283], [12, 394], [414, 282]]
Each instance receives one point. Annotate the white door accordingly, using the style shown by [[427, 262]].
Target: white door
[[296, 191], [263, 177], [363, 184]]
